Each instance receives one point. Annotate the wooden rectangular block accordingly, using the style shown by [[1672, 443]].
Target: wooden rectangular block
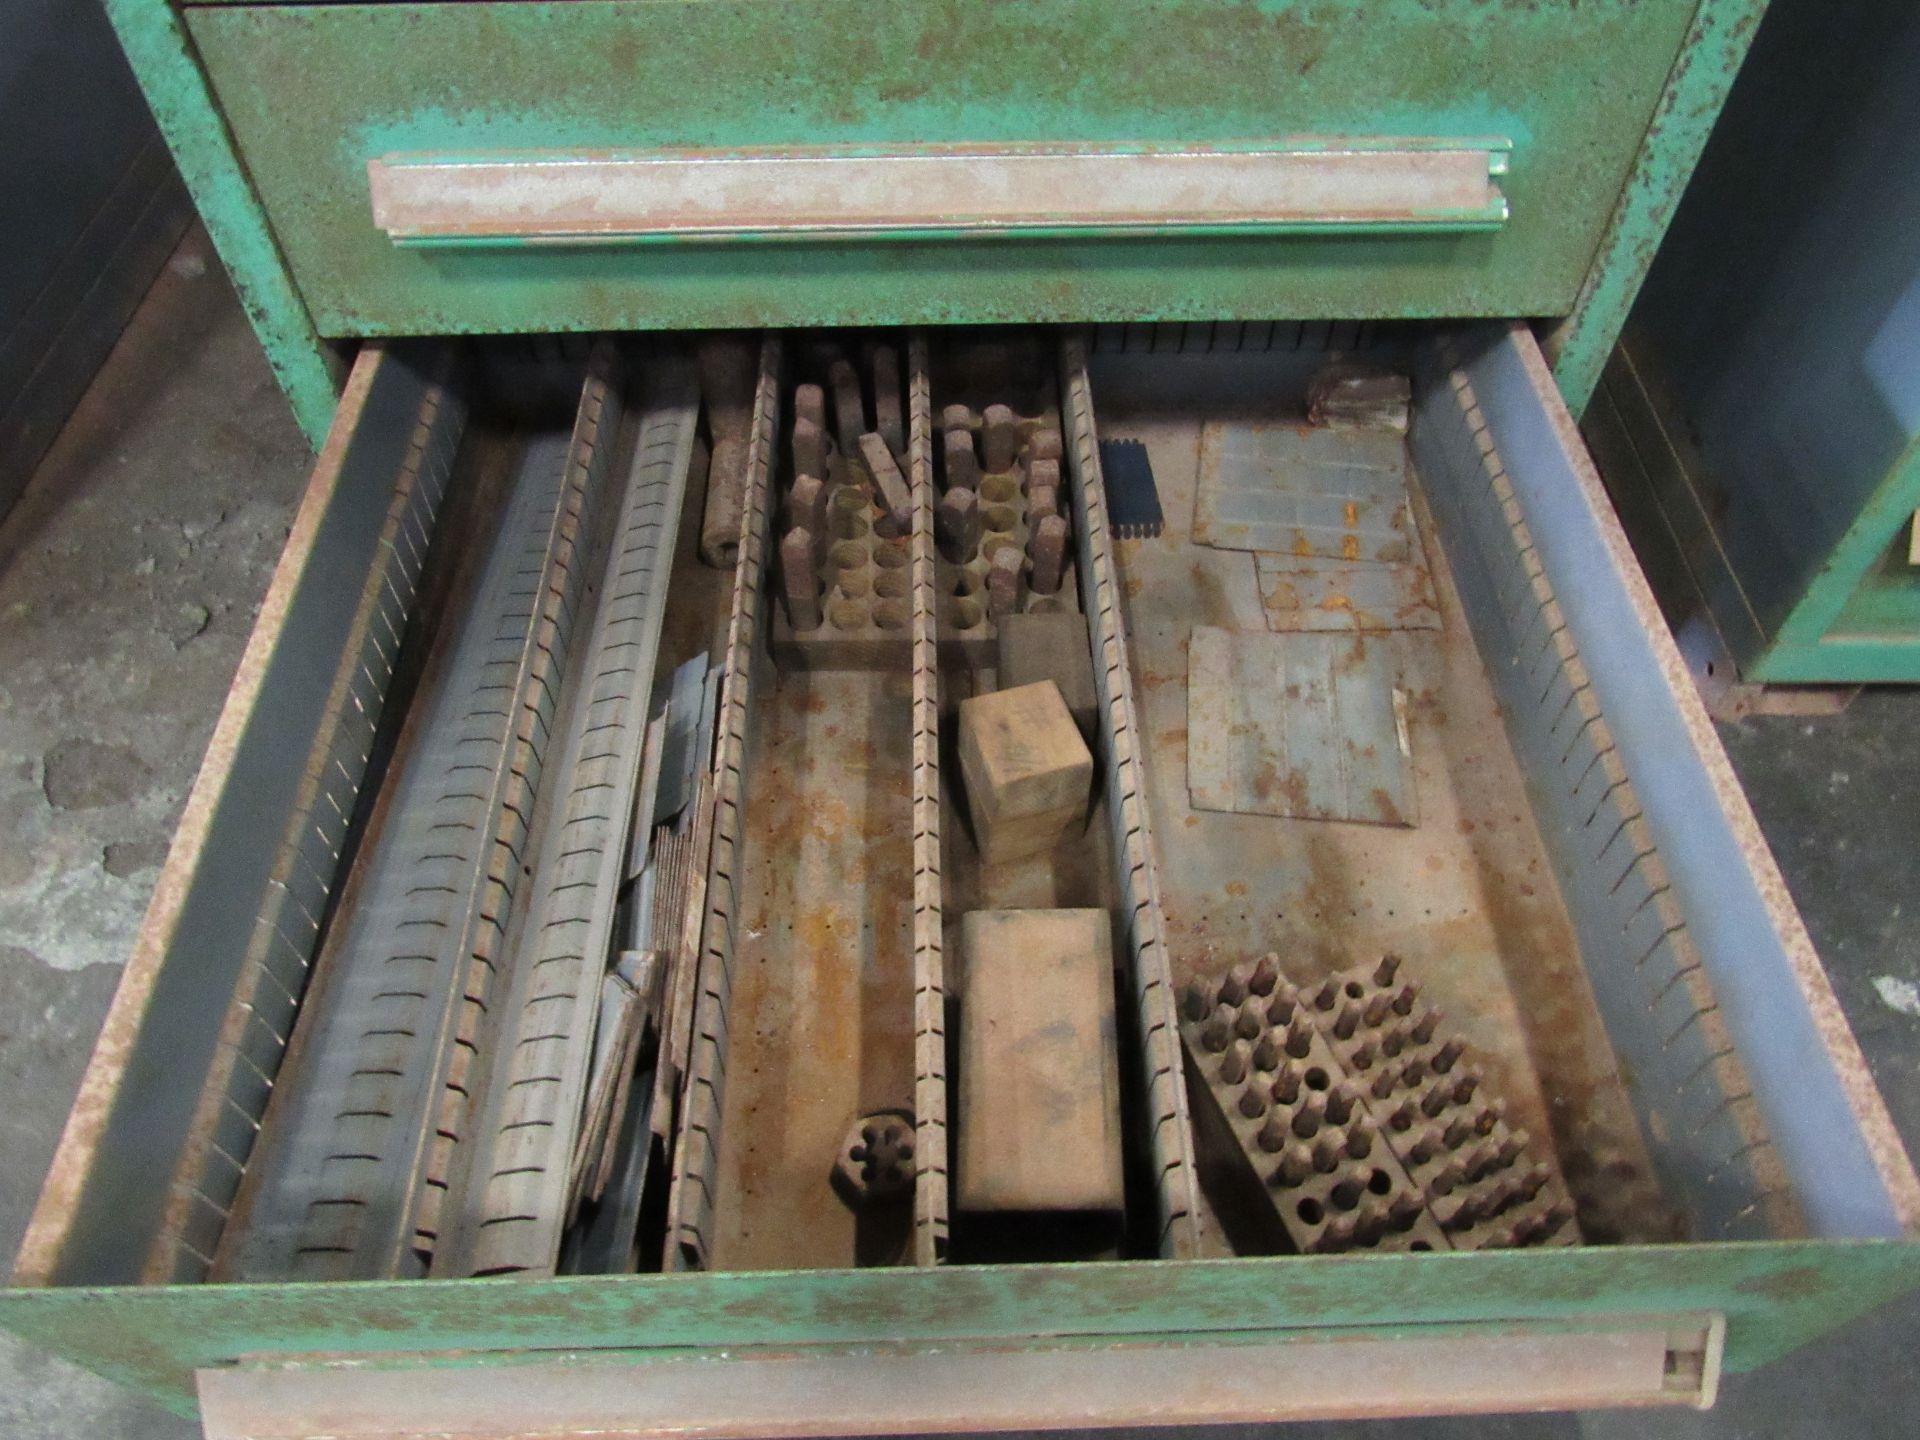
[[1027, 771], [1051, 645], [1039, 1115]]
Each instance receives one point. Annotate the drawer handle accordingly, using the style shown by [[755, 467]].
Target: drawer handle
[[1419, 186]]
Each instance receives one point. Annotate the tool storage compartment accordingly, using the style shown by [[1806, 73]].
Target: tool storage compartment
[[1349, 700]]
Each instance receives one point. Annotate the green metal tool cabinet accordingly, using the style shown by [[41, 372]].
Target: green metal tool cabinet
[[1152, 185], [1758, 424]]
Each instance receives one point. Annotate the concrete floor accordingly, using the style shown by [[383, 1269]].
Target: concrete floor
[[129, 577]]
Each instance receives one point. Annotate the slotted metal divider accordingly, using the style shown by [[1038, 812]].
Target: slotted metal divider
[[516, 1193], [1156, 1073], [353, 1183], [690, 1202], [1710, 1144], [273, 975], [931, 1221], [1179, 337]]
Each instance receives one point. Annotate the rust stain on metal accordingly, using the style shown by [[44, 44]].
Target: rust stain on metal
[[821, 1023], [1468, 897]]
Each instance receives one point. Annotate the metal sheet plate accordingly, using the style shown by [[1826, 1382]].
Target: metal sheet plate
[[1294, 490], [1467, 896], [1308, 726]]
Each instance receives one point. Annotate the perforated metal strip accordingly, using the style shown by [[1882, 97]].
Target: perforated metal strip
[[1162, 1087], [690, 1202], [930, 1217], [512, 1217], [364, 1140], [305, 871]]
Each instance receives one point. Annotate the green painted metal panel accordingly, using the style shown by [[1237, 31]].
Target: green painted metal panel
[[1840, 660], [313, 92], [1715, 46], [1775, 1295], [1887, 603], [155, 39]]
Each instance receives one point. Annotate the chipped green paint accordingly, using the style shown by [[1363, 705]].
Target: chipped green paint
[[1716, 44], [1776, 1296], [1572, 85], [155, 38]]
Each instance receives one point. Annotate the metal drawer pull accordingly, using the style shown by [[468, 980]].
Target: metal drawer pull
[[748, 1392], [939, 192]]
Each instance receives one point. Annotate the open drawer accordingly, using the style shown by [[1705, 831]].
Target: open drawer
[[1581, 886]]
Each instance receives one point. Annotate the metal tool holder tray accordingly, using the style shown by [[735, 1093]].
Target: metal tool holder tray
[[1585, 893]]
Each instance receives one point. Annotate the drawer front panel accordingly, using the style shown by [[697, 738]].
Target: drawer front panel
[[315, 93]]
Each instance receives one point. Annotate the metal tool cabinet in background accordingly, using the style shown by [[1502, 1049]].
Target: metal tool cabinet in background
[[1759, 425], [1178, 213]]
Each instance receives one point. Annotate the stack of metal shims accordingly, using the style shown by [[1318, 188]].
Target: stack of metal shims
[[430, 1116]]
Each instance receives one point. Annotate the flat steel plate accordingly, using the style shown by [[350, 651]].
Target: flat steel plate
[[1307, 726], [1290, 489]]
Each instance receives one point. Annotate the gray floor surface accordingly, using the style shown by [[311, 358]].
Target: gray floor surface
[[129, 577]]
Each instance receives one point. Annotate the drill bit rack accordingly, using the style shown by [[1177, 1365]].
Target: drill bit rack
[[1483, 1180]]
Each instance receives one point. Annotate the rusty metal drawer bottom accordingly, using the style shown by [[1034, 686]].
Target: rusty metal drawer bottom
[[1586, 890]]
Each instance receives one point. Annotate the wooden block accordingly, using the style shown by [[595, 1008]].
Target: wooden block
[[1026, 768], [999, 437], [1051, 646], [963, 465], [1047, 548], [1039, 1118], [887, 478]]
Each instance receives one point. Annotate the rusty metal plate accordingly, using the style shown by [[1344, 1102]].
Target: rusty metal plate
[[1308, 726], [1310, 593], [1293, 490]]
